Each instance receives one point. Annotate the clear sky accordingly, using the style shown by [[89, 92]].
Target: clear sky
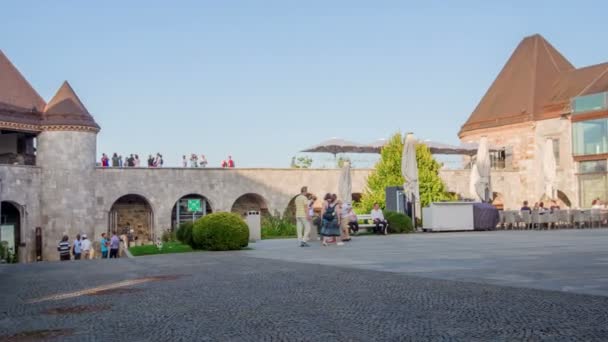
[[261, 80]]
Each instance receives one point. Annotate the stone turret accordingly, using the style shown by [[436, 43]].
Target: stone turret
[[66, 150]]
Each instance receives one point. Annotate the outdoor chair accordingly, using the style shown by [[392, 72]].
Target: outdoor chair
[[580, 217], [510, 219], [563, 218], [526, 219], [501, 219], [595, 217]]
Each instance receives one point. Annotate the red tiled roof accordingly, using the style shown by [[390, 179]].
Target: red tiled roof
[[535, 77], [65, 108]]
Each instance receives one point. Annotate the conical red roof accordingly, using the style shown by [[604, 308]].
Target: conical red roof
[[523, 86], [66, 109]]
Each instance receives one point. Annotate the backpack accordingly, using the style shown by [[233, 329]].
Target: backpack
[[330, 213]]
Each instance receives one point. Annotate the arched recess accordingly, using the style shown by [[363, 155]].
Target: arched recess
[[250, 201], [562, 197], [10, 225], [132, 212], [181, 212], [290, 210]]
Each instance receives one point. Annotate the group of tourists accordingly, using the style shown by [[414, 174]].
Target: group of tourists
[[540, 207], [130, 161], [195, 161], [336, 222], [82, 247]]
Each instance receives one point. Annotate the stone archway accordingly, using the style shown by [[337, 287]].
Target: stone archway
[[10, 226], [181, 213], [250, 201], [132, 212]]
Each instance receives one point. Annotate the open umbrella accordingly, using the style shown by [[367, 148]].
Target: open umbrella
[[335, 146], [474, 178], [409, 170], [345, 187], [483, 184], [549, 169]]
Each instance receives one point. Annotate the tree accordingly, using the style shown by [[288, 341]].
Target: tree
[[387, 173], [301, 162]]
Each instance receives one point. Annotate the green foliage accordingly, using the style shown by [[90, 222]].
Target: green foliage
[[7, 254], [168, 236], [220, 232], [398, 222], [342, 160], [387, 173], [169, 247], [275, 226], [184, 233], [301, 162]]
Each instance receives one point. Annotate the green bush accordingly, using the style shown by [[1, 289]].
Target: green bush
[[168, 236], [220, 232], [275, 226], [184, 233], [398, 222]]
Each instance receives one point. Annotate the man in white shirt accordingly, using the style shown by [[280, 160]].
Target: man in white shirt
[[86, 247], [379, 221]]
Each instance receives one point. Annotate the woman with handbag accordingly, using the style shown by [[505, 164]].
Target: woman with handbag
[[331, 220]]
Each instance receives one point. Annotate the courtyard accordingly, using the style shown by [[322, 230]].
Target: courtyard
[[532, 285]]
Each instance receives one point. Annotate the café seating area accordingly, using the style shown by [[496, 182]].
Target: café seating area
[[555, 219]]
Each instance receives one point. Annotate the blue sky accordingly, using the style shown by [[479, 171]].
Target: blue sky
[[261, 80]]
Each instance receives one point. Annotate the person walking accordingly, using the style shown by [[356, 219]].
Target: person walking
[[230, 162], [136, 161], [64, 249], [115, 160], [302, 217], [77, 248], [104, 246], [330, 214], [345, 209], [203, 162], [114, 245], [85, 245]]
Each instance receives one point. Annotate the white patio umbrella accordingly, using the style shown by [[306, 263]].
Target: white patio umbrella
[[345, 186], [549, 169], [409, 170], [474, 178], [483, 184]]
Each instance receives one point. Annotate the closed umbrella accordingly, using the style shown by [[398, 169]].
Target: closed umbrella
[[483, 184], [549, 169], [474, 178], [409, 170], [345, 187]]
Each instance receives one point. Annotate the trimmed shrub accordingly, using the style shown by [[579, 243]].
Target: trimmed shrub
[[184, 233], [168, 236], [220, 232], [398, 222]]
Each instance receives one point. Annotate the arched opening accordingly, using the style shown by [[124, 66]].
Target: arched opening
[[133, 212], [290, 211], [250, 201], [10, 227], [564, 199], [189, 208]]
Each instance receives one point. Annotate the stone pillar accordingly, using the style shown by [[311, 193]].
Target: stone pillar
[[67, 160]]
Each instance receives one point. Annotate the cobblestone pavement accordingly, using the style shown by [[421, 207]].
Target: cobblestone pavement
[[569, 260], [236, 297]]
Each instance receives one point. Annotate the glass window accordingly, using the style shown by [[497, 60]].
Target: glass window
[[589, 103], [590, 137], [592, 187], [593, 166]]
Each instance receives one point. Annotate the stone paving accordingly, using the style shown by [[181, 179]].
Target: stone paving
[[238, 296], [564, 260]]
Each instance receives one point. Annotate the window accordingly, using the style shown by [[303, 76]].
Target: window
[[589, 103], [556, 151], [593, 166], [590, 137]]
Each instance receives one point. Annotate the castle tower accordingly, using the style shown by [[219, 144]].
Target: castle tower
[[66, 150]]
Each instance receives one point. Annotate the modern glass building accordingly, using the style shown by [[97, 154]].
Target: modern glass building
[[590, 145]]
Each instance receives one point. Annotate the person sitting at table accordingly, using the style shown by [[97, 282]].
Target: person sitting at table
[[379, 221], [541, 208], [525, 207], [596, 204]]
